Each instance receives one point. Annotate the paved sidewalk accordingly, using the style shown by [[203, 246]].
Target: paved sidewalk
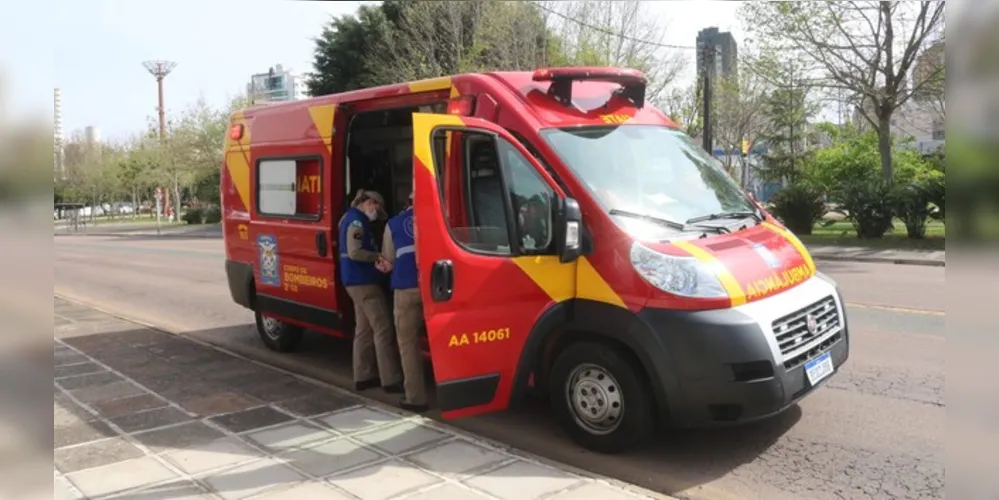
[[866, 254], [142, 414]]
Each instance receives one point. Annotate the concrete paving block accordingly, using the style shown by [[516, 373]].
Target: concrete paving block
[[252, 479], [151, 419], [85, 368], [330, 458], [307, 491], [214, 455], [293, 435], [383, 481], [95, 454], [248, 420], [180, 489], [178, 437], [61, 490], [595, 491], [449, 491], [81, 432], [400, 437], [120, 477], [456, 457], [523, 481], [357, 419]]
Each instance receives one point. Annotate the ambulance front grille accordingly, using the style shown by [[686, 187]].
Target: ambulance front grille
[[792, 330]]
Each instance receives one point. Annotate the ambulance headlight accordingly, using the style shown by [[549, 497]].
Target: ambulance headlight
[[683, 276]]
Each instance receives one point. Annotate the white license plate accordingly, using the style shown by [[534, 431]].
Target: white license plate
[[819, 368]]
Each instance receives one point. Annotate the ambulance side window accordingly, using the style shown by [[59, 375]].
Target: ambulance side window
[[289, 188], [532, 199], [476, 190]]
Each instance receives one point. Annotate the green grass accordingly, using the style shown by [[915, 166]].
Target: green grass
[[841, 233]]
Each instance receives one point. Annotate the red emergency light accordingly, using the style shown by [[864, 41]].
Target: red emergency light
[[632, 82], [236, 132], [461, 106]]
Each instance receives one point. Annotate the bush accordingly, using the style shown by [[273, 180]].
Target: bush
[[936, 192], [213, 215], [194, 216], [799, 206], [868, 206], [911, 203]]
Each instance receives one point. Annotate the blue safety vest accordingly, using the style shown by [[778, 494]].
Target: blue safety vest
[[354, 273], [404, 274]]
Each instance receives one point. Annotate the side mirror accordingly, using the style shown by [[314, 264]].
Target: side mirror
[[571, 225]]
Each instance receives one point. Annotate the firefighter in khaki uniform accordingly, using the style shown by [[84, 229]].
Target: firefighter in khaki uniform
[[373, 337], [399, 254]]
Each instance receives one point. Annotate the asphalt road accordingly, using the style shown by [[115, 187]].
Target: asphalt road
[[876, 430]]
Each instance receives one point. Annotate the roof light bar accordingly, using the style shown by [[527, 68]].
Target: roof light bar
[[632, 82]]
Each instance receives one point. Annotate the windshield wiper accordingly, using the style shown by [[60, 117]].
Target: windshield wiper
[[726, 215], [656, 220]]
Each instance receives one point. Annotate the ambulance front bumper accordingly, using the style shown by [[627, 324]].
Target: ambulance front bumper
[[749, 362]]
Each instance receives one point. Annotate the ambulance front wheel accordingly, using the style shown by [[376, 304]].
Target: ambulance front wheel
[[278, 336], [599, 398]]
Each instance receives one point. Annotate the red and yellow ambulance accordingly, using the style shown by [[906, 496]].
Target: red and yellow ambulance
[[570, 238]]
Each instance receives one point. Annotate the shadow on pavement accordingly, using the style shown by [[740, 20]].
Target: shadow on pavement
[[673, 462]]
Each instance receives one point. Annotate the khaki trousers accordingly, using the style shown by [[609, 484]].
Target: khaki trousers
[[408, 319], [374, 344]]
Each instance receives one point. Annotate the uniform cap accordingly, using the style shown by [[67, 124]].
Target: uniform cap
[[375, 195]]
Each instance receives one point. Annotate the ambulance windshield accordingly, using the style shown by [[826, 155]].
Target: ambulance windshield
[[649, 170]]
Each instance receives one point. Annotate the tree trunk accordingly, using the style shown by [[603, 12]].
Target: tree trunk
[[176, 199], [884, 146]]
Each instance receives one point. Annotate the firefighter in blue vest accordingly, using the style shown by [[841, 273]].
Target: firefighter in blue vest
[[399, 258], [374, 343]]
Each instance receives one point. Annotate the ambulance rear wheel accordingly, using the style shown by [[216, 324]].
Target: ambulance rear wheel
[[600, 399], [278, 336]]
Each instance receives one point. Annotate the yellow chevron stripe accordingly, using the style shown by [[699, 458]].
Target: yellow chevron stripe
[[237, 159], [322, 118], [423, 124], [728, 281], [791, 238]]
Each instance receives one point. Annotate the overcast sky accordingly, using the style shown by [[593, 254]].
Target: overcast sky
[[99, 47]]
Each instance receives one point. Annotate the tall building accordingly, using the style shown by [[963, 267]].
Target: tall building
[[277, 84], [92, 134], [57, 137], [930, 65], [725, 51]]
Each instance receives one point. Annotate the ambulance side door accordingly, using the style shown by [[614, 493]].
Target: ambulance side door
[[488, 274], [294, 276]]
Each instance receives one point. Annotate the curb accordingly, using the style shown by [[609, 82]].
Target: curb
[[882, 260]]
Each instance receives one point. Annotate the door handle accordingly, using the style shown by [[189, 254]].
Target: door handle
[[321, 246], [442, 281]]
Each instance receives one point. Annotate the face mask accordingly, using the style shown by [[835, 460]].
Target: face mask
[[372, 214]]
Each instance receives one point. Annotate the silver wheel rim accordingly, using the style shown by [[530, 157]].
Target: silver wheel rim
[[272, 328], [595, 399]]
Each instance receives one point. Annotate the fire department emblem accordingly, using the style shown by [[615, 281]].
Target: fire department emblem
[[268, 249], [407, 225], [812, 324]]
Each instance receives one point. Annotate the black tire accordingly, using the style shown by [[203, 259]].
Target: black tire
[[588, 361], [280, 337]]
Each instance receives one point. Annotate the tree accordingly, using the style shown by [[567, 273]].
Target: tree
[[738, 109], [865, 47], [684, 106], [342, 59], [620, 33], [437, 38]]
